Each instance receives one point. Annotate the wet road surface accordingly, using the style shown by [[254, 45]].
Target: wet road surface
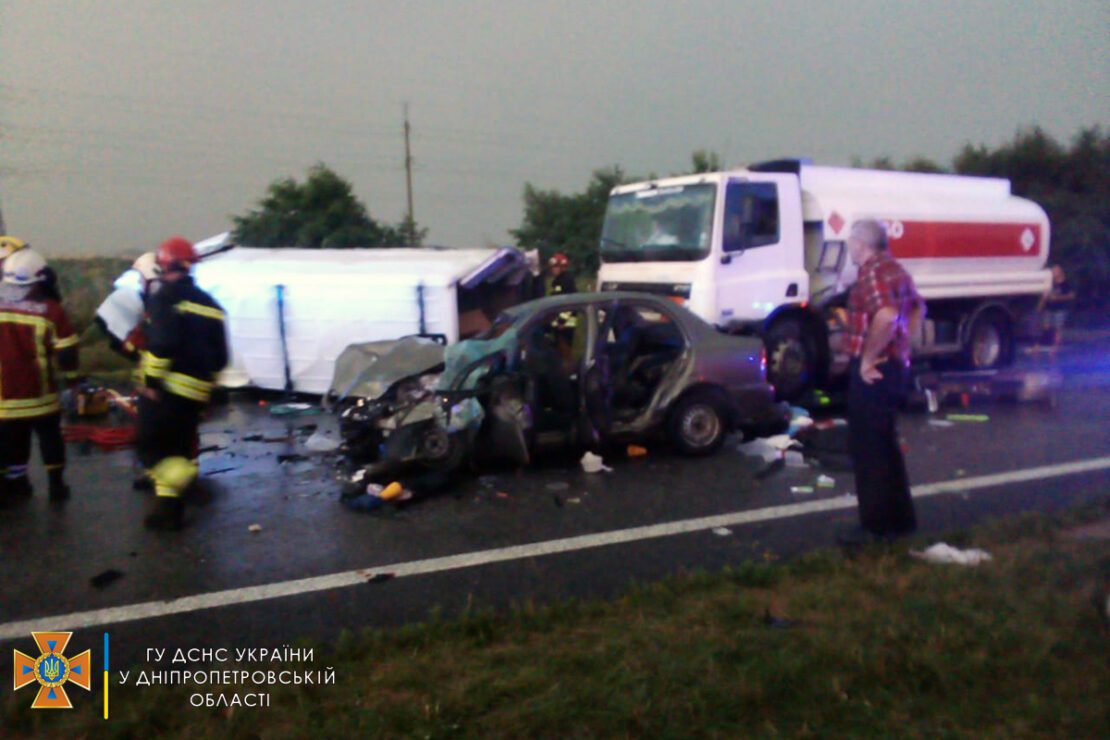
[[52, 553]]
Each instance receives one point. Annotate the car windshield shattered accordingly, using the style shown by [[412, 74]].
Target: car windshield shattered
[[660, 224]]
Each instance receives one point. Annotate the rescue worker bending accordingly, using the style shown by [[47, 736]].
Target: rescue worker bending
[[186, 347]]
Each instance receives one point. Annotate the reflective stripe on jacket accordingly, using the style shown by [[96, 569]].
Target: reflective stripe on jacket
[[186, 341], [35, 337]]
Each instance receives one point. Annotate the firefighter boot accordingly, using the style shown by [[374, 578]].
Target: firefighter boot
[[168, 514], [59, 491]]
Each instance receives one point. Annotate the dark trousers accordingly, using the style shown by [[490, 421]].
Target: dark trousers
[[15, 444], [166, 442], [882, 486]]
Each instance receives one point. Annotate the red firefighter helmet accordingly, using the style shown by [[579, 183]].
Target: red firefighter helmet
[[558, 260], [176, 254]]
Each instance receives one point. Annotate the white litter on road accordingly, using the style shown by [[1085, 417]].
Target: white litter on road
[[795, 459], [592, 463], [321, 442], [760, 448], [944, 554], [722, 532]]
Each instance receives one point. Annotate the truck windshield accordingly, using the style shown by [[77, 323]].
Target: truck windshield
[[662, 224]]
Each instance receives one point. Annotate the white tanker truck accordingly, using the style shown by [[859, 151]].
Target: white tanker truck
[[763, 251]]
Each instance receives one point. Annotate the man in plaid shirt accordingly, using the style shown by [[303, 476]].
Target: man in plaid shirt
[[884, 311]]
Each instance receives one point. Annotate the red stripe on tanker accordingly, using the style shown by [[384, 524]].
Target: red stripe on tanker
[[926, 239]]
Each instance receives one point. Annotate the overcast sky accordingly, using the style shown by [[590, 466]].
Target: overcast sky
[[127, 121]]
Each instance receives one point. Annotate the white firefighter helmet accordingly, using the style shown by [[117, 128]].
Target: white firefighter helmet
[[25, 267]]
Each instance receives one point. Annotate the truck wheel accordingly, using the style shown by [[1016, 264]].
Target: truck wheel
[[790, 359], [696, 425], [989, 342]]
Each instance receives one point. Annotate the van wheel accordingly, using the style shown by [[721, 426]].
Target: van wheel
[[790, 359], [989, 343], [696, 425]]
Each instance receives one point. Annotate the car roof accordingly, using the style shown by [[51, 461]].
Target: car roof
[[568, 299]]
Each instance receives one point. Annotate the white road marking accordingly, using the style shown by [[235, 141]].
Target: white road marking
[[249, 594]]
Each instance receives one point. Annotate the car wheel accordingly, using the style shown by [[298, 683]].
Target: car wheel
[[989, 343], [696, 425], [791, 359], [440, 450]]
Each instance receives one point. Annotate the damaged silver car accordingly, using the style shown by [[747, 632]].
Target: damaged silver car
[[582, 370]]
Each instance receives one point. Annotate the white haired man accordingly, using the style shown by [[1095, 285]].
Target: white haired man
[[884, 312]]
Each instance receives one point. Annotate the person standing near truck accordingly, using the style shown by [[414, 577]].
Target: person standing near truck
[[884, 312], [1054, 305]]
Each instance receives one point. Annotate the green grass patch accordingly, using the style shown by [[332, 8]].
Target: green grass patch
[[881, 645]]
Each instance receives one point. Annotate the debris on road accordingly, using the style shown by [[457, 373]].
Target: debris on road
[[636, 451], [799, 420], [365, 502], [943, 553], [795, 459], [760, 448], [254, 528], [293, 409], [393, 491], [801, 490], [773, 467], [591, 463], [574, 500], [722, 532], [976, 418], [321, 442], [105, 578], [824, 481]]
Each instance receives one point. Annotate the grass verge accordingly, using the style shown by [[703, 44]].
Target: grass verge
[[879, 645]]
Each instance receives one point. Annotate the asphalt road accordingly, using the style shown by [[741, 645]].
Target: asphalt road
[[315, 568]]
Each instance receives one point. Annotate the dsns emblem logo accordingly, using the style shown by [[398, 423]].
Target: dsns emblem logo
[[52, 670]]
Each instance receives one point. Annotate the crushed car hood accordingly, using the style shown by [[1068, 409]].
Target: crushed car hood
[[369, 369]]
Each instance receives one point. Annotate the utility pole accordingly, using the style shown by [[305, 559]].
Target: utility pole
[[410, 223]]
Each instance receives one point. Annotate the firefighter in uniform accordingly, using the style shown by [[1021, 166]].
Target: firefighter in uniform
[[36, 337], [186, 347], [566, 322]]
